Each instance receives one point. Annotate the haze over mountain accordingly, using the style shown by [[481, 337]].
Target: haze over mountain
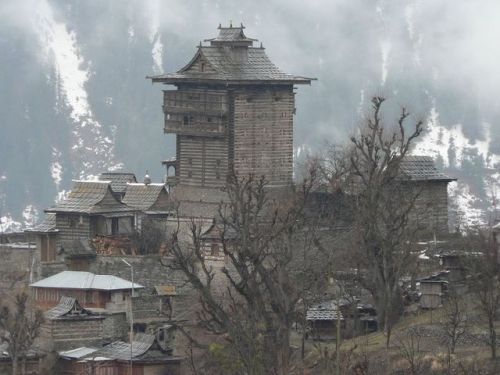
[[75, 101]]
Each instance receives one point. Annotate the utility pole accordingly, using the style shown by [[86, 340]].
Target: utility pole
[[131, 313]]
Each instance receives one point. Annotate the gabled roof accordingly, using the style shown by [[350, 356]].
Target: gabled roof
[[228, 67], [48, 225], [327, 310], [216, 231], [422, 168], [142, 196], [118, 180], [86, 196], [84, 280], [67, 308]]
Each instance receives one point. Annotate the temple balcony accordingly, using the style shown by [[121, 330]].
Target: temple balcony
[[210, 103], [193, 125]]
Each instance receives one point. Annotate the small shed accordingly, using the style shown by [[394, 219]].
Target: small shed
[[432, 289]]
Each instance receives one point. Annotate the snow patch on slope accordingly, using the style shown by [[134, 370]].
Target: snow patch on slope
[[8, 224], [453, 148], [155, 37], [30, 216], [91, 150], [452, 145], [56, 167]]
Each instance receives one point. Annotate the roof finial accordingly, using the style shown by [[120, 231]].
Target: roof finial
[[200, 44], [241, 25], [147, 179], [220, 26], [231, 23], [261, 45]]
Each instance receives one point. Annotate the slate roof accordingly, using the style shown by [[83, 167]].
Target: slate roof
[[48, 225], [323, 311], [85, 197], [142, 196], [422, 168], [118, 180], [257, 67], [84, 280]]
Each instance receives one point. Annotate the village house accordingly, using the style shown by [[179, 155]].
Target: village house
[[148, 354], [354, 318], [90, 212], [92, 291]]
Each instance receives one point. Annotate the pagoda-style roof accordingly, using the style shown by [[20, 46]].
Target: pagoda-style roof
[[231, 35], [90, 197], [231, 59]]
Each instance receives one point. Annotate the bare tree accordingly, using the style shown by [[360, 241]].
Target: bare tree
[[484, 280], [454, 322], [383, 205], [19, 327], [409, 349], [271, 265]]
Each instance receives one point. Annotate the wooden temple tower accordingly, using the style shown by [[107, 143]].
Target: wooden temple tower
[[232, 108]]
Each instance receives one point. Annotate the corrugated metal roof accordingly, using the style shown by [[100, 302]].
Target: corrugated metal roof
[[77, 353], [142, 196], [85, 197], [84, 280], [121, 350], [67, 307], [422, 168], [118, 180]]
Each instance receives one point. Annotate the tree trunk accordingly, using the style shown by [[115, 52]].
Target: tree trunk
[[493, 339], [14, 364]]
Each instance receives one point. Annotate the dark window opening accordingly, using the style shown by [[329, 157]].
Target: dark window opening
[[218, 162], [114, 226], [140, 327], [202, 67], [185, 120], [190, 161], [214, 249], [209, 119]]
